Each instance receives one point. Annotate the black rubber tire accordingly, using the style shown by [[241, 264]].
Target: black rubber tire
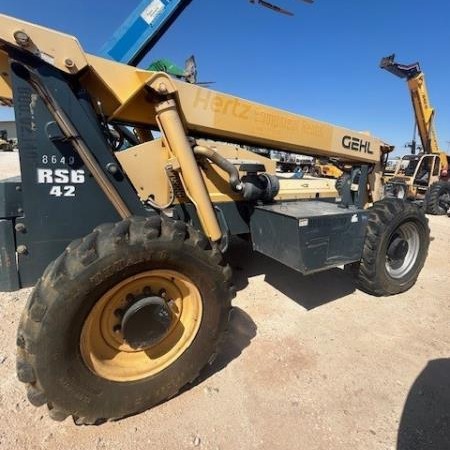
[[384, 219], [340, 183], [435, 191], [49, 360]]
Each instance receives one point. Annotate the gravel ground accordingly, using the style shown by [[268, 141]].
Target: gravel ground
[[9, 164], [310, 363]]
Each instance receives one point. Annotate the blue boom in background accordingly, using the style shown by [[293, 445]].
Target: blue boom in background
[[142, 30]]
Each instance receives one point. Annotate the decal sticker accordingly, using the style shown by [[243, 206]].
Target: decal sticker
[[152, 11], [62, 181]]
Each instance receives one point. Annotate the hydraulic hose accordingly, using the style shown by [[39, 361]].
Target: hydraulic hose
[[233, 172]]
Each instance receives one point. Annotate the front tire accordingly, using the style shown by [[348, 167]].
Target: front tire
[[395, 249], [78, 351], [437, 199]]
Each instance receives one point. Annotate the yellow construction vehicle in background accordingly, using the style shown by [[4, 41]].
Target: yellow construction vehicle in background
[[131, 185], [423, 176], [323, 168]]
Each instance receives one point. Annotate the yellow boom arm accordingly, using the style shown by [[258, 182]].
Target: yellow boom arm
[[123, 93]]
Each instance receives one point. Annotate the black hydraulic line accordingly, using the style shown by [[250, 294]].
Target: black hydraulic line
[[127, 134], [223, 163]]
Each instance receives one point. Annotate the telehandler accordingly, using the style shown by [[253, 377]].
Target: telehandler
[[423, 177], [122, 233]]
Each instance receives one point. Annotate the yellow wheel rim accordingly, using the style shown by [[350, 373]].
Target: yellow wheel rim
[[102, 344]]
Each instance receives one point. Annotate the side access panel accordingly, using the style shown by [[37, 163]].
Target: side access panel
[[309, 236], [10, 198]]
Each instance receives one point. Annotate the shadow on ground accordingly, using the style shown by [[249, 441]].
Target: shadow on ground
[[425, 422], [308, 291], [241, 331]]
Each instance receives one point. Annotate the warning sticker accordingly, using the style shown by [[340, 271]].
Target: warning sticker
[[153, 10]]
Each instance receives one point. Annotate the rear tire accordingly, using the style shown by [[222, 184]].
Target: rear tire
[[437, 199], [66, 359], [395, 248], [340, 182]]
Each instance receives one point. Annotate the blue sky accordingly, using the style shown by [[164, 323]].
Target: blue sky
[[322, 63]]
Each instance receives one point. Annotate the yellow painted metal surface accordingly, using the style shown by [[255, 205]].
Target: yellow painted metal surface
[[327, 170], [145, 166], [424, 114], [133, 96], [175, 139], [5, 80], [58, 49], [230, 117], [123, 92], [102, 344]]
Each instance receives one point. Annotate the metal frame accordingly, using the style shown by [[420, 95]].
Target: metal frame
[[63, 139]]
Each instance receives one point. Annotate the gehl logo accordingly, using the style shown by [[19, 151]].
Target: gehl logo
[[356, 144]]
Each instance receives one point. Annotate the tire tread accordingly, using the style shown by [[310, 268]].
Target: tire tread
[[82, 253]]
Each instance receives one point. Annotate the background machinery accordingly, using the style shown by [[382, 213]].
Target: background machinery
[[290, 162], [124, 243], [148, 22], [423, 176], [326, 169], [6, 145]]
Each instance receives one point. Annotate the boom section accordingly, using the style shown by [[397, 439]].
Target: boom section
[[423, 111], [142, 30], [127, 94]]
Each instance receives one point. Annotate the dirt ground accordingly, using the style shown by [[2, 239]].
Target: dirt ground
[[310, 363]]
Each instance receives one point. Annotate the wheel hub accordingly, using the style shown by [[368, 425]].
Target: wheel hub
[[141, 325], [398, 249], [403, 250], [146, 322]]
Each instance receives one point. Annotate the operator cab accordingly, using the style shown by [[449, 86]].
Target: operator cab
[[419, 167]]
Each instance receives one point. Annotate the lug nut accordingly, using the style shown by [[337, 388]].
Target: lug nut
[[173, 306]]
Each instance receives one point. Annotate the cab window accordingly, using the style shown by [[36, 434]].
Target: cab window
[[437, 165], [423, 172]]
